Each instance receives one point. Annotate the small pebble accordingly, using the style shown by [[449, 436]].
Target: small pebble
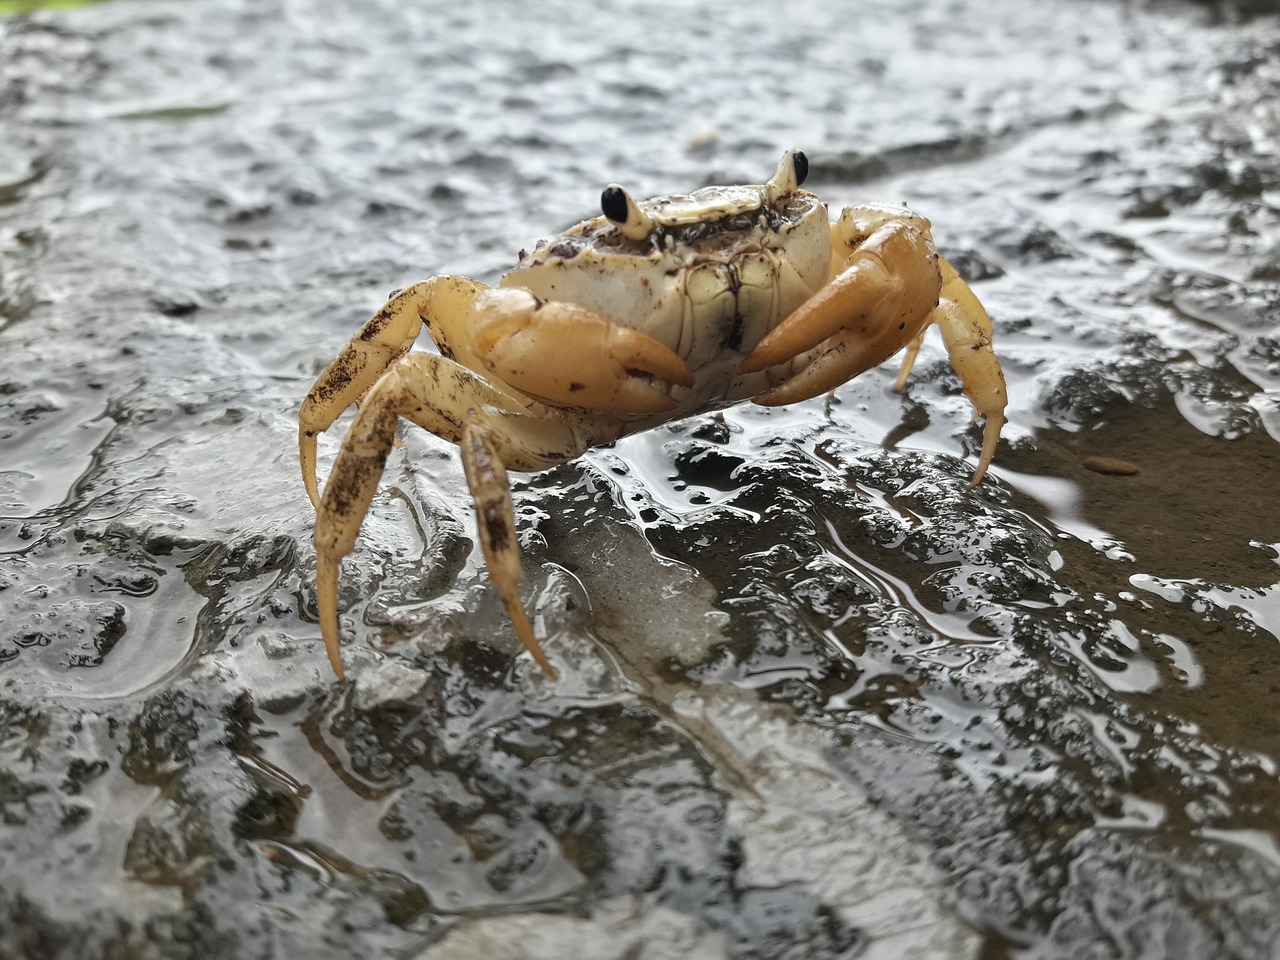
[[1111, 466]]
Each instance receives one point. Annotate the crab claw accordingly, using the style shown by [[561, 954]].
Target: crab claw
[[572, 356], [891, 286], [883, 296], [844, 355]]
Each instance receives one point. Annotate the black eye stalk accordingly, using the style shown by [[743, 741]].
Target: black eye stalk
[[793, 170], [617, 205], [613, 203], [801, 164]]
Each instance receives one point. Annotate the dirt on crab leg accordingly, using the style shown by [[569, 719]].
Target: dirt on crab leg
[[384, 339], [495, 520], [438, 395]]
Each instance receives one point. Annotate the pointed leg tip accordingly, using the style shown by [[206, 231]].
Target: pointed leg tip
[[524, 630], [338, 671], [307, 460], [327, 603], [990, 440], [334, 652]]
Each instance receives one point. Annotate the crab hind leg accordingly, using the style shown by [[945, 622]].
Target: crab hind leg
[[445, 398]]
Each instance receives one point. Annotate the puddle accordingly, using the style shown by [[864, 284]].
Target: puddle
[[1199, 507]]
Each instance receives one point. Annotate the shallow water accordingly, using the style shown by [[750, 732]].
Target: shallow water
[[817, 698]]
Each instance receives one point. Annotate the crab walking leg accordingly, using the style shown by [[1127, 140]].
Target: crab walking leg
[[955, 295], [384, 339], [967, 331], [494, 438], [909, 359], [495, 520], [438, 395]]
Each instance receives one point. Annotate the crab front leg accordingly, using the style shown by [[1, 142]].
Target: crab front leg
[[383, 340], [494, 431], [888, 285]]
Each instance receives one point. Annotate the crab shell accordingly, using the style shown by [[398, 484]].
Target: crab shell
[[709, 274]]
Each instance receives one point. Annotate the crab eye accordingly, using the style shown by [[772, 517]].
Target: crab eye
[[801, 163], [792, 170], [618, 206], [613, 203]]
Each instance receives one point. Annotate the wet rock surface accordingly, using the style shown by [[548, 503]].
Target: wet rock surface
[[817, 697]]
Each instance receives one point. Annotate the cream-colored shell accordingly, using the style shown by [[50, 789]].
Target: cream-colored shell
[[721, 267]]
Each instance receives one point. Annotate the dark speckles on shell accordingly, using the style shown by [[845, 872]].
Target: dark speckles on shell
[[564, 248], [734, 338], [771, 218], [602, 235]]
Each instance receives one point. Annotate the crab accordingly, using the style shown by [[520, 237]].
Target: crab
[[654, 311]]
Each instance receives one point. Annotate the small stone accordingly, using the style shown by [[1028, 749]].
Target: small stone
[[1111, 466]]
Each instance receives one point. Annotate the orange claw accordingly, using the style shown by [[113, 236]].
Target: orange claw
[[570, 355]]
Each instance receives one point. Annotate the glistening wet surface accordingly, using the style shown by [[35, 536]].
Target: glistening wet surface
[[817, 697]]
